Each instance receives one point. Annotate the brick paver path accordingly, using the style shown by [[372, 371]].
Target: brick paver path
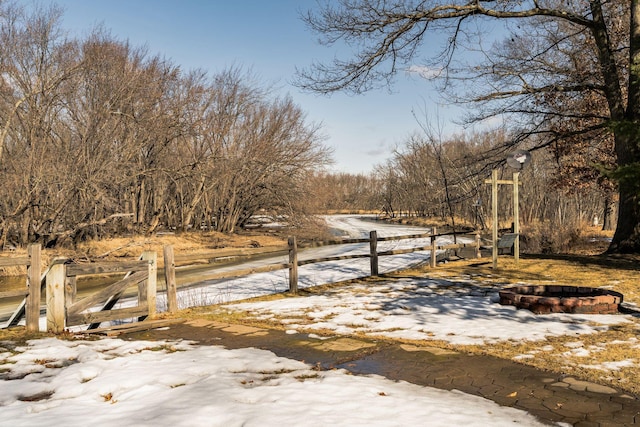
[[549, 396]]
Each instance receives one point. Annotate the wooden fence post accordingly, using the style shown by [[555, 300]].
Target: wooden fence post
[[170, 279], [32, 312], [56, 312], [433, 259], [478, 252], [293, 265], [152, 281], [373, 248]]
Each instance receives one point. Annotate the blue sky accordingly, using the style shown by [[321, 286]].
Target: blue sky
[[267, 37]]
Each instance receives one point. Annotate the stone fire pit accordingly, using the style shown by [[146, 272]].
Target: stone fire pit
[[542, 299]]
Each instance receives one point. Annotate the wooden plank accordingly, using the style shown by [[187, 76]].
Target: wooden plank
[[458, 246], [170, 278], [70, 290], [245, 272], [507, 240], [334, 242], [293, 265], [105, 293], [373, 252], [334, 258], [15, 293], [405, 251], [433, 261], [55, 297], [226, 253], [34, 285], [21, 310], [133, 327], [14, 261], [106, 316], [106, 268], [151, 284]]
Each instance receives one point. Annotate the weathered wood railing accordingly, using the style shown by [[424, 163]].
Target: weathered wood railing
[[30, 305], [65, 309], [294, 262]]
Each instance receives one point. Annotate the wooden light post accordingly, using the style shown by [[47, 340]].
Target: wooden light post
[[517, 161]]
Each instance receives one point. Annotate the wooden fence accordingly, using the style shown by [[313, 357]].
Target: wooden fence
[[64, 308], [294, 262], [30, 305]]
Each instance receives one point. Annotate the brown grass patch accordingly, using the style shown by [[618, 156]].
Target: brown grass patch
[[621, 274]]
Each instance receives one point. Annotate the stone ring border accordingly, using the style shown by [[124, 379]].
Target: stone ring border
[[544, 299]]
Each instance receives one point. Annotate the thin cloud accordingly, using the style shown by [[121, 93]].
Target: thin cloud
[[424, 71]]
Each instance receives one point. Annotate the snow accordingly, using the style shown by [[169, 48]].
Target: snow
[[422, 309], [353, 226], [114, 382]]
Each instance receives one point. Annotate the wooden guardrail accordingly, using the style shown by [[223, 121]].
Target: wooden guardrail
[[30, 305], [65, 309], [294, 262]]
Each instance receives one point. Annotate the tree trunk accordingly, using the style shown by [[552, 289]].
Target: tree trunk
[[607, 215], [627, 138]]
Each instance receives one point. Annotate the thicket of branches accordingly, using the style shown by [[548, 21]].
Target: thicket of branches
[[564, 75], [98, 137], [443, 178]]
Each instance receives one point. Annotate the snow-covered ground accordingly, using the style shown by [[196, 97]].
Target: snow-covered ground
[[113, 382], [423, 309]]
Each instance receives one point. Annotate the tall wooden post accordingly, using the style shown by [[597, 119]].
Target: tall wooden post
[[152, 281], [293, 265], [433, 260], [32, 312], [516, 218], [494, 213], [373, 249], [170, 279], [56, 312]]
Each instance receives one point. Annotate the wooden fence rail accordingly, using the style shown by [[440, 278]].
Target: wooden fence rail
[[63, 308], [294, 262], [30, 305]]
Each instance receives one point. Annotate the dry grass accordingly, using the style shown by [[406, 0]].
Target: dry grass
[[619, 273], [133, 246], [182, 243]]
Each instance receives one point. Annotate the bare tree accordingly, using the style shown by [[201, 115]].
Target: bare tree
[[388, 36]]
